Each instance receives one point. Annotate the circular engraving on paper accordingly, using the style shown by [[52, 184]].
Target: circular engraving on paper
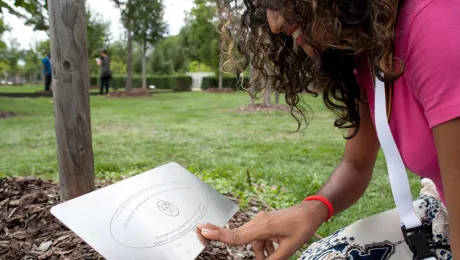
[[158, 215], [168, 208]]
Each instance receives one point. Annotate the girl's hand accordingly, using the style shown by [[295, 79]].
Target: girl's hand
[[290, 228]]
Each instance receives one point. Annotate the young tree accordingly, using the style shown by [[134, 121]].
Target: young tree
[[3, 28], [71, 97], [170, 56], [159, 64], [44, 48], [32, 66], [127, 9], [200, 34], [149, 27], [97, 31], [11, 56], [118, 56]]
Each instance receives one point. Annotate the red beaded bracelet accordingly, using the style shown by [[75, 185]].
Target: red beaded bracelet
[[326, 202]]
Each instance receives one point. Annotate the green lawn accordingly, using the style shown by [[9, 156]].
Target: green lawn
[[21, 89], [35, 88], [204, 132]]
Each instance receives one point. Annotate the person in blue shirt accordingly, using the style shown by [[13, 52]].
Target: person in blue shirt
[[47, 71]]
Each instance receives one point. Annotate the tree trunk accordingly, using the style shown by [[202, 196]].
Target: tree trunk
[[36, 81], [220, 70], [144, 65], [129, 65], [251, 85], [221, 60], [17, 79], [251, 95], [267, 96], [277, 97], [199, 66], [71, 97], [267, 86]]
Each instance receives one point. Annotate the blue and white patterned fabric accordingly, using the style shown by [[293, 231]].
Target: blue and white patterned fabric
[[380, 238]]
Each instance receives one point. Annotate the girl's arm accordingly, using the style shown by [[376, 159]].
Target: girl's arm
[[350, 180], [447, 139]]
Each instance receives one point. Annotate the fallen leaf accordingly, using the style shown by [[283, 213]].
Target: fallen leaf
[[15, 202], [45, 246]]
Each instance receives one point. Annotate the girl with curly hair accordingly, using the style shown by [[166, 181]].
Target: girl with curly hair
[[340, 49]]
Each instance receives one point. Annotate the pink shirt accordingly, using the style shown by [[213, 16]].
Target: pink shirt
[[428, 93]]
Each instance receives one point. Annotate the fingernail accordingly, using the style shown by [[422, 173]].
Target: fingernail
[[205, 230]]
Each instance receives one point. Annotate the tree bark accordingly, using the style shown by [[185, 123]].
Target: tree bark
[[129, 65], [267, 87], [144, 66], [251, 85], [220, 70], [267, 95], [71, 97], [17, 79], [277, 97], [221, 60]]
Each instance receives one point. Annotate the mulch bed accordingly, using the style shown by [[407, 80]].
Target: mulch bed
[[6, 114], [29, 231], [220, 90], [262, 108], [136, 92]]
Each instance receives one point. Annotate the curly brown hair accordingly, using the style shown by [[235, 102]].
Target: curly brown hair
[[344, 31]]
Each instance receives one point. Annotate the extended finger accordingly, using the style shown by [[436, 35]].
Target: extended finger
[[258, 247], [269, 247], [286, 249], [243, 235]]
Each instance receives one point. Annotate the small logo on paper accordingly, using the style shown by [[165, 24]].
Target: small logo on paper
[[168, 208]]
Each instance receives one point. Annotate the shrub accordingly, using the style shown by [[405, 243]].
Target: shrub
[[227, 82], [209, 82], [175, 83], [180, 83]]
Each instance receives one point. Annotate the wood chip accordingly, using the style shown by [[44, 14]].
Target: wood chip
[[61, 238], [21, 234], [46, 255], [29, 231], [58, 252]]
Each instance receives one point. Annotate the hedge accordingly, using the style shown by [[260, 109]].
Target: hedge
[[175, 83], [227, 82]]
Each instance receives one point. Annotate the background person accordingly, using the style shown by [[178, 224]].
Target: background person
[[46, 62], [105, 73]]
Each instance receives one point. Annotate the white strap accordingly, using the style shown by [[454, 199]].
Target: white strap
[[396, 169]]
